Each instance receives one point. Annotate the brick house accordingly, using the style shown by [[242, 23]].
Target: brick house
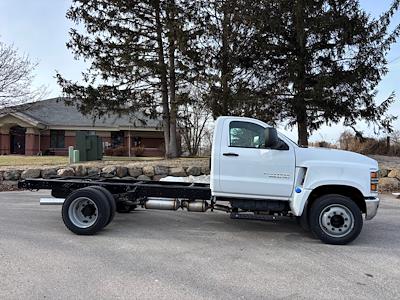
[[49, 127]]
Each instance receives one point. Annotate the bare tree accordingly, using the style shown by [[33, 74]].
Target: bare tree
[[16, 76], [193, 122]]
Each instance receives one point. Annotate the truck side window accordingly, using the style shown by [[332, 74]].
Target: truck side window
[[246, 135]]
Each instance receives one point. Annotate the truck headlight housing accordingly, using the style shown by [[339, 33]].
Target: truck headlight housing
[[374, 181]]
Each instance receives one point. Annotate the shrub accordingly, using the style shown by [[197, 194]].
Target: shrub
[[137, 151], [118, 151], [368, 145]]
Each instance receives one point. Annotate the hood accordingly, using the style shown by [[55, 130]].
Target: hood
[[304, 156]]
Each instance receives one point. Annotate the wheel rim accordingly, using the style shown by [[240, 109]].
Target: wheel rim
[[83, 212], [336, 220]]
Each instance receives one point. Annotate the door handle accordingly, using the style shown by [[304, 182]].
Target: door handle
[[230, 154]]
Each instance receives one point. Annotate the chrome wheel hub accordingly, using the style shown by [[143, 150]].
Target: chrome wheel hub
[[336, 220], [83, 212]]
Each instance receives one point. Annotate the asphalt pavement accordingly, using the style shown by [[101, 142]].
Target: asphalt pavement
[[181, 255]]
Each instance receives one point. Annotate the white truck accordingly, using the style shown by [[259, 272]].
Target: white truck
[[256, 172]]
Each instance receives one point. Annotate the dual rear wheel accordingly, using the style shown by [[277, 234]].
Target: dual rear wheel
[[88, 210]]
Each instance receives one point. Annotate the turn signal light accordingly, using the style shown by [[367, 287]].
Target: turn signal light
[[374, 181]]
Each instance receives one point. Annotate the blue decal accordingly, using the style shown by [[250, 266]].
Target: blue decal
[[297, 190]]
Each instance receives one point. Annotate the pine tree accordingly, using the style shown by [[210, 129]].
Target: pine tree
[[226, 66], [133, 48], [321, 61]]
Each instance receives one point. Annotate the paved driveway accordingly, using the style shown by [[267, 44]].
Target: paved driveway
[[167, 255]]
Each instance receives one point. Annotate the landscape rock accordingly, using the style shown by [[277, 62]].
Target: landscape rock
[[143, 177], [177, 172], [395, 173], [194, 171], [9, 185], [387, 184], [128, 178], [47, 173], [12, 174], [148, 171], [158, 177], [93, 171], [109, 171], [161, 170], [134, 171], [66, 172], [205, 170], [121, 171], [80, 170], [31, 173]]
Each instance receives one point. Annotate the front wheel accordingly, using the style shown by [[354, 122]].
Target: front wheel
[[335, 219]]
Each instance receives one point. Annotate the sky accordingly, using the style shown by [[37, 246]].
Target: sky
[[39, 28]]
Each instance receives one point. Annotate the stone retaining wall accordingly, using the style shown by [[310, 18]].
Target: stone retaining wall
[[9, 178], [389, 180]]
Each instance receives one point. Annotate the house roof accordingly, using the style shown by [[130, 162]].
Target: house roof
[[54, 113]]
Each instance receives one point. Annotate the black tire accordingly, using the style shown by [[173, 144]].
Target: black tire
[[335, 219], [96, 207], [111, 201]]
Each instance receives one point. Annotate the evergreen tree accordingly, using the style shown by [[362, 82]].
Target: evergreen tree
[[226, 68], [133, 48], [321, 61]]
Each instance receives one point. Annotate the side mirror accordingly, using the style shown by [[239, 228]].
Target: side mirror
[[270, 137]]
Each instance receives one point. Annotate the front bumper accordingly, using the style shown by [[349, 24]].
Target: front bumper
[[371, 205]]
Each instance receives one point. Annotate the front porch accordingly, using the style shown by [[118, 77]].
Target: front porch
[[19, 135]]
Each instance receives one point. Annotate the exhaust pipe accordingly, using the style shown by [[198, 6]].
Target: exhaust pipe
[[167, 204], [51, 201], [196, 206], [162, 204]]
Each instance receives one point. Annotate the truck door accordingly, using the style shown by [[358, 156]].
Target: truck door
[[247, 169]]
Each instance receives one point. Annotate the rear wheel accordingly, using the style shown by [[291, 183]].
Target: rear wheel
[[86, 211], [335, 219], [110, 199]]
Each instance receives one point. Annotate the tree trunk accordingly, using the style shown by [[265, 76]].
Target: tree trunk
[[225, 61], [302, 133], [299, 82], [173, 147], [163, 79]]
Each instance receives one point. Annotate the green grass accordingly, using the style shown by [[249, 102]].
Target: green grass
[[125, 158], [23, 160]]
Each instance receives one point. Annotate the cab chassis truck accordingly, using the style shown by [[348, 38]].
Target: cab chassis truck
[[256, 172]]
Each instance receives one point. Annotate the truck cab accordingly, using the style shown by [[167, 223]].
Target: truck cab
[[258, 169]]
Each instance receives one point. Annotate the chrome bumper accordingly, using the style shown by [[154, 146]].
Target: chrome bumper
[[372, 205]]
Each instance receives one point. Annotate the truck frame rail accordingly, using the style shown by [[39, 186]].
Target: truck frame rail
[[61, 187]]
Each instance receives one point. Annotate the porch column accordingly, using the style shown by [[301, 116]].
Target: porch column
[[4, 141], [31, 141]]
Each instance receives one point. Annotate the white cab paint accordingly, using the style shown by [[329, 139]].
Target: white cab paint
[[258, 173]]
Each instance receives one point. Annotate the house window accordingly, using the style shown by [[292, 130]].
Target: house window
[[136, 141], [117, 138], [57, 138]]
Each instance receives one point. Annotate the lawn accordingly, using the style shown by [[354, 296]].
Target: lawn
[[22, 160]]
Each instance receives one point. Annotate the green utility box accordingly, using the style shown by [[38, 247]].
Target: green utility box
[[90, 146]]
